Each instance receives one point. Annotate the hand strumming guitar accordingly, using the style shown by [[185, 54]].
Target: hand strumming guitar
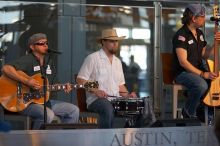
[[209, 75], [33, 84]]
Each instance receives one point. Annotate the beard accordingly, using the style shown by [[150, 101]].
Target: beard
[[112, 51]]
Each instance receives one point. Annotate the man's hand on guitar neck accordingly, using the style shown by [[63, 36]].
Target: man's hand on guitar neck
[[68, 88]]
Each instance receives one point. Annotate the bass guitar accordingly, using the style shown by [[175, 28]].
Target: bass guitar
[[15, 96], [212, 97]]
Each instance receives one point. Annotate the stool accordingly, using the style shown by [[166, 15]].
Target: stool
[[175, 88], [168, 81], [19, 122]]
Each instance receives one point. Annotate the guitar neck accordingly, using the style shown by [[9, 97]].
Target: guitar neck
[[216, 58], [216, 44], [89, 86], [58, 87], [216, 51]]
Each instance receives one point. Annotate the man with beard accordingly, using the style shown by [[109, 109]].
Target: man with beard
[[103, 66]]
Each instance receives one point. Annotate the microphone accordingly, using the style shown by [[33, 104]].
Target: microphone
[[54, 51], [214, 19]]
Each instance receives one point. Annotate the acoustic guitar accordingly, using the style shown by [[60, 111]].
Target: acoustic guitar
[[15, 96], [212, 98]]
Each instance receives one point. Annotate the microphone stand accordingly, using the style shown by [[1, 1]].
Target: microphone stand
[[43, 69]]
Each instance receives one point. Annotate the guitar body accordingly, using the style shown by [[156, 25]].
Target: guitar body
[[212, 97], [15, 96]]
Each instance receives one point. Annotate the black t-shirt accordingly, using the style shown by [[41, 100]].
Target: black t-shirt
[[185, 39], [31, 66]]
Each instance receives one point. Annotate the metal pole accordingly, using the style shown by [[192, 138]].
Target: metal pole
[[157, 45]]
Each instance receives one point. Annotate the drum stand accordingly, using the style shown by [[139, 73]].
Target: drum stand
[[131, 121]]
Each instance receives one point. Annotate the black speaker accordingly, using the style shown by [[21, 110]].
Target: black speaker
[[54, 126], [176, 123]]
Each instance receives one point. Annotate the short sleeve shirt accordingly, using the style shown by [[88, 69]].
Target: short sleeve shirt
[[110, 76], [30, 65], [185, 39]]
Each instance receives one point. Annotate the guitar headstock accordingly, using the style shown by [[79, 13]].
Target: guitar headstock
[[91, 85], [216, 12]]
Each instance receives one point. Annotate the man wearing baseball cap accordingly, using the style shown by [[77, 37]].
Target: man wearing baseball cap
[[38, 61], [196, 9], [103, 66], [189, 47]]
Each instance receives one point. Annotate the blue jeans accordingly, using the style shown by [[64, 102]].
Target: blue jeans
[[196, 87], [105, 110], [67, 112]]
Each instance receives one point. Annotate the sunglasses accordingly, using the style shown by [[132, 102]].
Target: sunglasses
[[41, 43]]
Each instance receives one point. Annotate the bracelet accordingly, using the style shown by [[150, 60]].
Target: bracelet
[[201, 74]]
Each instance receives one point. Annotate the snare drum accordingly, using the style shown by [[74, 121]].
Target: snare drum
[[128, 106]]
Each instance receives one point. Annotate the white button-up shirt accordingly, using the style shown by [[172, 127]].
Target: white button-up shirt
[[97, 67]]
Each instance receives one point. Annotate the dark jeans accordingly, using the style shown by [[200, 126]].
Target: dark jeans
[[196, 87], [105, 110]]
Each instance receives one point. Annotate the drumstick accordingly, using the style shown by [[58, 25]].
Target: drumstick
[[113, 96]]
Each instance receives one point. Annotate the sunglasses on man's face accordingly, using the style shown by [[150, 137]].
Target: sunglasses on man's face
[[41, 43]]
